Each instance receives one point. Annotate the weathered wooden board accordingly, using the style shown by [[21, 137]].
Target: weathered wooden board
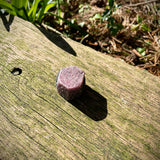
[[117, 117]]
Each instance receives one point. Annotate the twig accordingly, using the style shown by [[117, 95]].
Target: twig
[[137, 53], [127, 50], [142, 3], [117, 40], [155, 31], [86, 36]]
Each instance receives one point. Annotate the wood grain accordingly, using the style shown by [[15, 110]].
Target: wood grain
[[117, 116]]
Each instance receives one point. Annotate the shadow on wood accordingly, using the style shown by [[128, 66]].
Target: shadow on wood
[[6, 22], [57, 40], [92, 104]]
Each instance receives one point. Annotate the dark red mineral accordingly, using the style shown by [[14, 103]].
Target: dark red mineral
[[70, 82]]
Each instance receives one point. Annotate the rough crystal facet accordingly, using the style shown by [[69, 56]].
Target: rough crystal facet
[[70, 82]]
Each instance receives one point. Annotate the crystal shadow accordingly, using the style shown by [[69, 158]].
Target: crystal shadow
[[91, 103]]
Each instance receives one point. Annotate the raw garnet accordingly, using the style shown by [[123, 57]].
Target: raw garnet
[[70, 82]]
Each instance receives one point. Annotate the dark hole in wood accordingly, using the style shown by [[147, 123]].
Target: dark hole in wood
[[16, 71]]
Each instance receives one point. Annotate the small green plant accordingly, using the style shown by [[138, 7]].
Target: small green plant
[[31, 10], [142, 51], [96, 17], [107, 16], [35, 10], [140, 26], [83, 8]]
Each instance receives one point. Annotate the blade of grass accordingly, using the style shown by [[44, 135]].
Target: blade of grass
[[49, 6], [111, 3], [9, 8], [59, 10], [26, 4], [45, 7], [19, 7], [19, 3], [33, 10]]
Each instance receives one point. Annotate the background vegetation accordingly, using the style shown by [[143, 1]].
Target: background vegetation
[[128, 29]]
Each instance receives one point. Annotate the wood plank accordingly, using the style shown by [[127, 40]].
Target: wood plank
[[117, 117]]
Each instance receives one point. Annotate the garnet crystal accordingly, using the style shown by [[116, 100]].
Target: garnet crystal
[[70, 82]]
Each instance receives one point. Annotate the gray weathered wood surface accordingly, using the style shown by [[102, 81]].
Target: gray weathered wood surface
[[117, 117]]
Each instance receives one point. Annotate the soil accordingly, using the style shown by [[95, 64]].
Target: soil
[[137, 43]]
